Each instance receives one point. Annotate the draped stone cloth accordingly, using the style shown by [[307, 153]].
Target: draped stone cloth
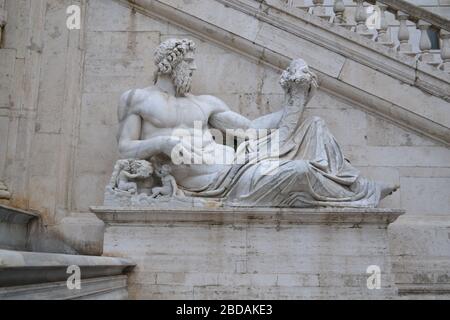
[[308, 171]]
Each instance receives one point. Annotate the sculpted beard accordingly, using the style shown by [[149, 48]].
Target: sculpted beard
[[182, 78]]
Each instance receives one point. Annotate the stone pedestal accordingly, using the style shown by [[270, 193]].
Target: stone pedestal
[[254, 253]]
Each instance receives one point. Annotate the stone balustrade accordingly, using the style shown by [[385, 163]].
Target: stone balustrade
[[369, 19]]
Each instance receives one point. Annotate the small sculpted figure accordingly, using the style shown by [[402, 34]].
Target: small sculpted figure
[[169, 185], [126, 172]]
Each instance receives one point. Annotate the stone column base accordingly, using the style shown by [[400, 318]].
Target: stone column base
[[255, 253]]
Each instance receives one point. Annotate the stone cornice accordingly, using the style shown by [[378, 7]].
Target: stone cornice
[[350, 47], [15, 216], [270, 216]]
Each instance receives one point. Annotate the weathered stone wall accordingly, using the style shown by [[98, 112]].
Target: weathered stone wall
[[441, 7], [58, 99]]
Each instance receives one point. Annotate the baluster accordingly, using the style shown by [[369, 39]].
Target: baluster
[[445, 50], [384, 33], [361, 18], [319, 10], [288, 3], [403, 34], [339, 9], [425, 43]]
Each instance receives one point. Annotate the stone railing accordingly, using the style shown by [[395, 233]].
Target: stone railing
[[369, 19]]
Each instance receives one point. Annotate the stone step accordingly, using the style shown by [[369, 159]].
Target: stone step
[[32, 275], [101, 288]]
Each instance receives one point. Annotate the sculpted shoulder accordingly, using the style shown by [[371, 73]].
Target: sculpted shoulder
[[133, 101], [216, 104]]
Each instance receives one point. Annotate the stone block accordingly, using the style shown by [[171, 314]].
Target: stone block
[[424, 196], [380, 132], [390, 156], [251, 253], [318, 57], [388, 88], [104, 15], [7, 63]]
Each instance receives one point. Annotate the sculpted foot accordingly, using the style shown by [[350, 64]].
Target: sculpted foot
[[387, 190]]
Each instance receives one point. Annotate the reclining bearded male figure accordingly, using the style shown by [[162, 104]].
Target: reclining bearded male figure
[[310, 171]]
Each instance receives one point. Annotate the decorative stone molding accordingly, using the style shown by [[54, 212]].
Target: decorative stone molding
[[226, 216], [51, 267]]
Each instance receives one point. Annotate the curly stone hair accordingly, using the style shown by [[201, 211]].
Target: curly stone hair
[[171, 52], [293, 76]]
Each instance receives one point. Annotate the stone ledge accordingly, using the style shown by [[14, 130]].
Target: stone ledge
[[351, 216], [423, 289], [24, 268], [109, 288], [15, 216], [14, 227]]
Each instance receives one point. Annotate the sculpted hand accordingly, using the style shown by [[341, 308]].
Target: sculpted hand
[[181, 151], [169, 144]]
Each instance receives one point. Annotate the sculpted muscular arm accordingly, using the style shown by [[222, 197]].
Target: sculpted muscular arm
[[130, 131], [224, 118]]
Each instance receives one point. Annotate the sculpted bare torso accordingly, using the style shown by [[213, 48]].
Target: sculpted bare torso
[[155, 120], [152, 120]]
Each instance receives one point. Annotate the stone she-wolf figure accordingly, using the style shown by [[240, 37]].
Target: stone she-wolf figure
[[310, 169]]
